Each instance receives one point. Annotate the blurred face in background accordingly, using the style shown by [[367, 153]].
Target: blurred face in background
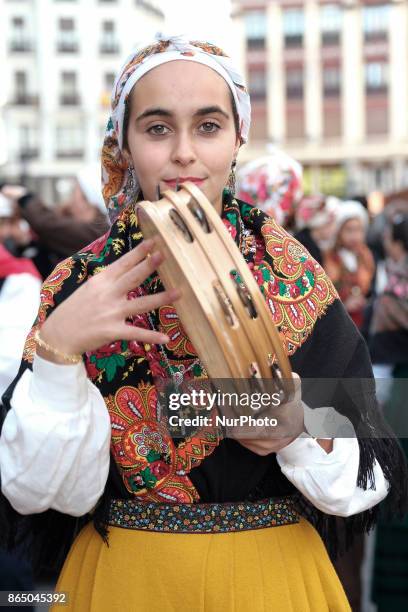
[[78, 206], [15, 229], [181, 126], [351, 235], [324, 235]]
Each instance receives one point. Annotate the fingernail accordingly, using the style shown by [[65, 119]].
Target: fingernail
[[156, 257], [164, 339]]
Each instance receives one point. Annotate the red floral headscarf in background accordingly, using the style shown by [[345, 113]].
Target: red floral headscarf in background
[[273, 184]]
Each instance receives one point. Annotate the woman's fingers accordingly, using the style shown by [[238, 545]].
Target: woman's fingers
[[128, 261], [138, 273], [150, 302], [145, 336]]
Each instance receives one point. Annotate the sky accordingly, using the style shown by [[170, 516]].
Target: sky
[[206, 19]]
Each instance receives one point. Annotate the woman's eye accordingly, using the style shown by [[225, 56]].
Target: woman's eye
[[209, 127], [158, 130]]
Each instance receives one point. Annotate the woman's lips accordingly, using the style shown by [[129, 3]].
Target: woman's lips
[[173, 182]]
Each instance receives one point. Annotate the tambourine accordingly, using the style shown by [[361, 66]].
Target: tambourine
[[222, 308]]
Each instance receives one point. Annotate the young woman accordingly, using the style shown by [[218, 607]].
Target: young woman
[[200, 523], [350, 264]]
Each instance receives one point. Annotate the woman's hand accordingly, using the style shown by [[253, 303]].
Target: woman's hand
[[96, 313], [270, 439]]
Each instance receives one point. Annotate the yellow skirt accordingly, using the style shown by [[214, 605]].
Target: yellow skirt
[[278, 568]]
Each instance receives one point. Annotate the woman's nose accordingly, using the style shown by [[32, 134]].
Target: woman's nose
[[183, 151]]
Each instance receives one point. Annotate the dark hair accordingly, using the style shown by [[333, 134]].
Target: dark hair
[[399, 229], [126, 118]]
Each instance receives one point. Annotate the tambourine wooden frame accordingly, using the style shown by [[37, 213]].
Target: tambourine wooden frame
[[224, 314]]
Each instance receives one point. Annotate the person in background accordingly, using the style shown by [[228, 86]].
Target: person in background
[[388, 345], [69, 228], [20, 286], [273, 184], [315, 222], [350, 264]]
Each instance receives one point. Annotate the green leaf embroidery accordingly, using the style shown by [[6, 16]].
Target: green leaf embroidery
[[153, 455], [310, 277], [282, 289], [149, 478]]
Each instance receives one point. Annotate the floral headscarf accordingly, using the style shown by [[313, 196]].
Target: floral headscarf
[[120, 185], [316, 210], [273, 184]]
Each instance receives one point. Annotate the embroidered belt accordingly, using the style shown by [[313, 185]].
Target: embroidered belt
[[202, 518]]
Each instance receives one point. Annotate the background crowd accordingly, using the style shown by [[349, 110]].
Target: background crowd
[[365, 255]]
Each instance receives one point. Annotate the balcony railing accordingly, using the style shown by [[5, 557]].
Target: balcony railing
[[330, 39], [21, 46], [70, 99], [69, 153], [25, 99], [27, 153], [109, 48], [256, 43], [67, 47], [294, 41]]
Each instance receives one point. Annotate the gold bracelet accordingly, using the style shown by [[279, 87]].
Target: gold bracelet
[[50, 349]]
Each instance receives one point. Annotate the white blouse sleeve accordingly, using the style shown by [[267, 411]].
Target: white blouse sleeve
[[329, 480], [54, 445], [19, 301]]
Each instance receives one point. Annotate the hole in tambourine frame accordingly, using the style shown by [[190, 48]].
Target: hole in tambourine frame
[[200, 215], [180, 224], [244, 295], [280, 386], [225, 304]]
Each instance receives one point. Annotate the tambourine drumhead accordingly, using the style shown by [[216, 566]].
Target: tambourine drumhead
[[221, 308]]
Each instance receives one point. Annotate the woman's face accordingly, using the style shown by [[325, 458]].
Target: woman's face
[[352, 234], [181, 126]]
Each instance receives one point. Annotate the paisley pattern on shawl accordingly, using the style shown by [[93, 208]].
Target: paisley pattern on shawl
[[154, 466]]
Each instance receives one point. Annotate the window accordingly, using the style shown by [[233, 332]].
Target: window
[[376, 77], [19, 39], [109, 43], [21, 90], [28, 141], [257, 83], [255, 28], [330, 23], [69, 142], [69, 92], [376, 21], [294, 83], [67, 40], [293, 27], [331, 81]]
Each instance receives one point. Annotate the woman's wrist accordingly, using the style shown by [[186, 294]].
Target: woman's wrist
[[54, 349]]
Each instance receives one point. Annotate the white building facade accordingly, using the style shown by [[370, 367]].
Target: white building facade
[[58, 59]]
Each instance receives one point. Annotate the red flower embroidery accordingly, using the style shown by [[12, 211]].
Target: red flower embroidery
[[108, 349], [273, 287], [294, 291], [159, 469], [231, 229]]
